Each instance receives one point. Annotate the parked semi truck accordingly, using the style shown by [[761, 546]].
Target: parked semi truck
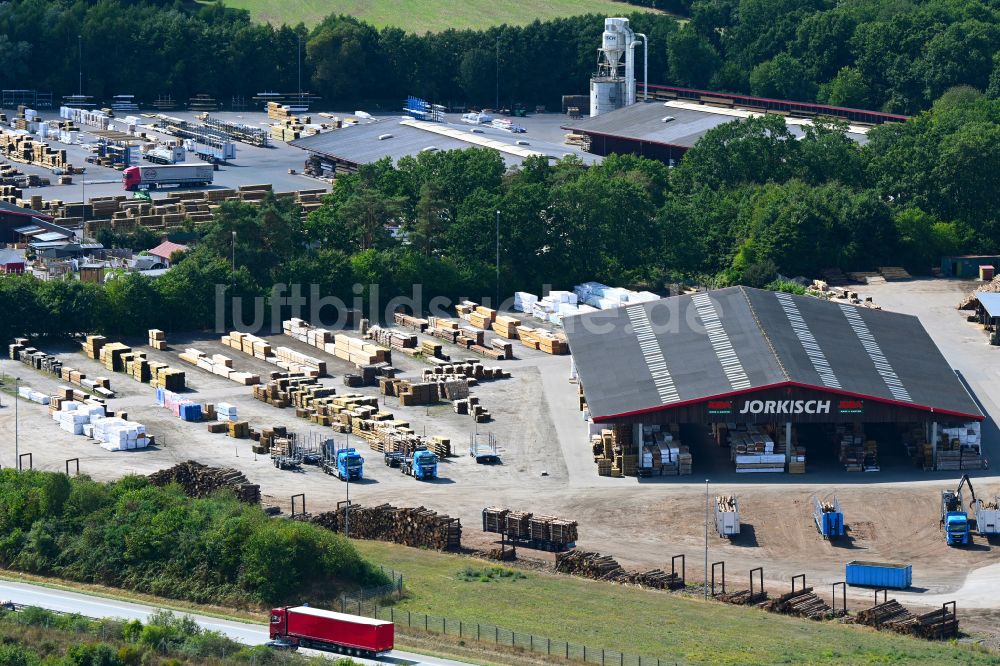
[[153, 177], [317, 629], [422, 465], [350, 465]]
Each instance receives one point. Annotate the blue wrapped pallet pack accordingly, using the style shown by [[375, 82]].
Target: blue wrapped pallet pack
[[190, 411], [879, 574]]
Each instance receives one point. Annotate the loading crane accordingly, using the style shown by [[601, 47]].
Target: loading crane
[[954, 518]]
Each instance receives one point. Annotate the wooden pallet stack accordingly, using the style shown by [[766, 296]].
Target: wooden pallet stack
[[415, 527], [25, 149], [199, 480]]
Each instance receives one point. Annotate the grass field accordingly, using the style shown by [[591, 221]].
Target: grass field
[[428, 15], [654, 624]]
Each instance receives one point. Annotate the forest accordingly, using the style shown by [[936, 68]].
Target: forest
[[745, 205], [133, 535], [875, 54]]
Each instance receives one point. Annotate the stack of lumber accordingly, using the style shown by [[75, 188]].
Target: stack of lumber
[[894, 273], [393, 339], [525, 525], [469, 369], [440, 446], [93, 345], [472, 407], [451, 387], [418, 528], [432, 349], [358, 351], [615, 451], [601, 567], [199, 480], [283, 357], [238, 429], [542, 340], [218, 364], [495, 519], [157, 339], [112, 356], [506, 327], [167, 378], [19, 147], [482, 317], [468, 338], [408, 321], [411, 395], [725, 503], [803, 603]]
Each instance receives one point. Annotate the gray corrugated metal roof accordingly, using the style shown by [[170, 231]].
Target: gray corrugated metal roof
[[990, 302], [666, 353], [360, 144], [644, 122]]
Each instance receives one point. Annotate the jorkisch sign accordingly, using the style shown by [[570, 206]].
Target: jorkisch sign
[[785, 407]]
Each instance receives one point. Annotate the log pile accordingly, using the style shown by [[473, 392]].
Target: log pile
[[595, 566], [937, 624], [199, 480], [803, 603], [742, 597], [891, 615], [415, 527]]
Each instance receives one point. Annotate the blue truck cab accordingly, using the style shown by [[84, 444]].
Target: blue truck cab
[[423, 465], [350, 465], [956, 527]]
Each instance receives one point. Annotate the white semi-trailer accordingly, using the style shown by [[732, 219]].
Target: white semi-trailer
[[152, 177]]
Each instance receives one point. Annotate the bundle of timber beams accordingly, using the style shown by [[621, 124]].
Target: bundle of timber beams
[[936, 624], [199, 480], [415, 527]]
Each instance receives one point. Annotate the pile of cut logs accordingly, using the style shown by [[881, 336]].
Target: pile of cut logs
[[595, 566], [803, 603], [199, 480], [419, 527], [939, 623]]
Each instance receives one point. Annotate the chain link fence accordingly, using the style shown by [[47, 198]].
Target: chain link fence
[[489, 633], [391, 590]]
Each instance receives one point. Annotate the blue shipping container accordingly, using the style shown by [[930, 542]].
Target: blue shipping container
[[833, 524], [880, 574]]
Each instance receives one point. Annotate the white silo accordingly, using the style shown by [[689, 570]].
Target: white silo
[[613, 86]]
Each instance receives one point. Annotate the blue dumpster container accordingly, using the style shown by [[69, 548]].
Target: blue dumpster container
[[879, 574]]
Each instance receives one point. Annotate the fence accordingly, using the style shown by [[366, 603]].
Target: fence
[[489, 633], [391, 590]]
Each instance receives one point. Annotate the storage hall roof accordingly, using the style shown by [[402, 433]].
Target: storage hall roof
[[685, 349], [360, 144], [645, 121], [990, 302]]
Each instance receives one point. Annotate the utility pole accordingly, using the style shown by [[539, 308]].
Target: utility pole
[[79, 47], [706, 538], [233, 270], [300, 68], [497, 108], [347, 509], [497, 304]]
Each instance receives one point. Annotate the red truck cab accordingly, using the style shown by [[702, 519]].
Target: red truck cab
[[131, 177], [318, 629]]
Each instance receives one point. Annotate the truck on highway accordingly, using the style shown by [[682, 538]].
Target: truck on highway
[[153, 177], [318, 629], [422, 465]]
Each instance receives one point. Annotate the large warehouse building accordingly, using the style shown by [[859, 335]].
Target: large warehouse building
[[773, 378], [665, 127]]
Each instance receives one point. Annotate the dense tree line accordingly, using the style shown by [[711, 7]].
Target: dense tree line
[[133, 535], [747, 203], [875, 54]]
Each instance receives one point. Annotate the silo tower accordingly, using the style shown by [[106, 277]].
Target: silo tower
[[613, 86]]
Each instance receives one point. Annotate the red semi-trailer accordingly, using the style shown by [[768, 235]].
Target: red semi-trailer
[[151, 177], [318, 629]]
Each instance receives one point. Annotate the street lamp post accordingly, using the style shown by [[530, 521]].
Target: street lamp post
[[497, 304], [706, 538], [17, 450]]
